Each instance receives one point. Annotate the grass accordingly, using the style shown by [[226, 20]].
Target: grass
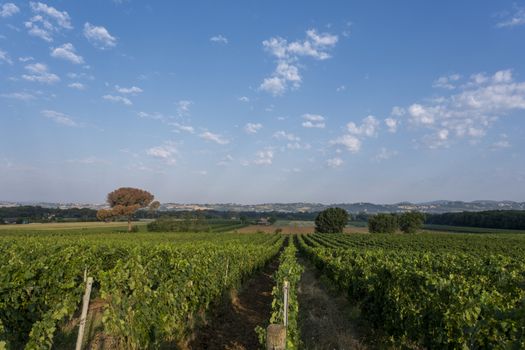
[[294, 223], [70, 225]]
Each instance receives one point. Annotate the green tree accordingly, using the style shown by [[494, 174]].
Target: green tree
[[411, 222], [125, 201], [243, 218], [331, 220], [383, 223]]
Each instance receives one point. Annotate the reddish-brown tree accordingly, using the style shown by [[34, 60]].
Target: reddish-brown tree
[[125, 201]]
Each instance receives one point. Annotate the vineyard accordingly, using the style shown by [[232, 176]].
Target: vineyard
[[430, 291], [154, 284]]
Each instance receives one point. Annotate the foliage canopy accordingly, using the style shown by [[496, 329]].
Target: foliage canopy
[[331, 220], [411, 222], [383, 223], [125, 201]]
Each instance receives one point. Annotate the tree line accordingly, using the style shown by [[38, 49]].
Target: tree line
[[334, 220], [501, 219], [29, 213]]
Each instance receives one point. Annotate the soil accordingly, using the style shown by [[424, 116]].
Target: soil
[[327, 321], [232, 326]]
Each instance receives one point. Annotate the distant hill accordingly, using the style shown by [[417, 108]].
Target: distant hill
[[435, 207]]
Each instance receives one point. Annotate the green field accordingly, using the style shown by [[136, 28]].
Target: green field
[[92, 225], [153, 281], [435, 291], [427, 290]]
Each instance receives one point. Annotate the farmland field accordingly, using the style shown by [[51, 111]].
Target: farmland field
[[431, 290], [152, 285], [69, 226], [154, 290]]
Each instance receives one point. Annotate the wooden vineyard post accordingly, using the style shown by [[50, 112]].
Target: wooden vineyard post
[[226, 275], [286, 287], [83, 316], [276, 337], [276, 333]]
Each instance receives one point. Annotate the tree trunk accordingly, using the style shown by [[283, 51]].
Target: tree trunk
[[129, 223]]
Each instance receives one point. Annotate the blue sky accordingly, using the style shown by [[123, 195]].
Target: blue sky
[[252, 101]]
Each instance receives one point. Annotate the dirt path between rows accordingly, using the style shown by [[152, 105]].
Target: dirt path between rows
[[325, 317], [233, 325]]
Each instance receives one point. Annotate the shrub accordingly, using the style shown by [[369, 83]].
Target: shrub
[[175, 225], [383, 223], [331, 220], [411, 222]]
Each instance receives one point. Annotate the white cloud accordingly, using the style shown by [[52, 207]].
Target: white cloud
[[154, 116], [62, 17], [46, 21], [420, 114], [39, 72], [59, 118], [398, 111], [252, 128], [334, 162], [446, 82], [283, 135], [219, 39], [209, 136], [368, 127], [298, 146], [348, 30], [99, 36], [132, 90], [274, 85], [166, 153], [35, 30], [8, 9], [439, 139], [501, 144], [392, 124], [120, 99], [23, 96], [293, 140], [478, 78], [313, 121], [225, 160], [385, 154], [264, 157], [25, 59], [4, 57], [89, 161], [67, 52], [514, 20], [340, 88], [471, 110], [352, 140], [77, 86], [244, 99], [502, 76], [80, 76], [286, 74], [183, 108], [352, 143], [181, 127]]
